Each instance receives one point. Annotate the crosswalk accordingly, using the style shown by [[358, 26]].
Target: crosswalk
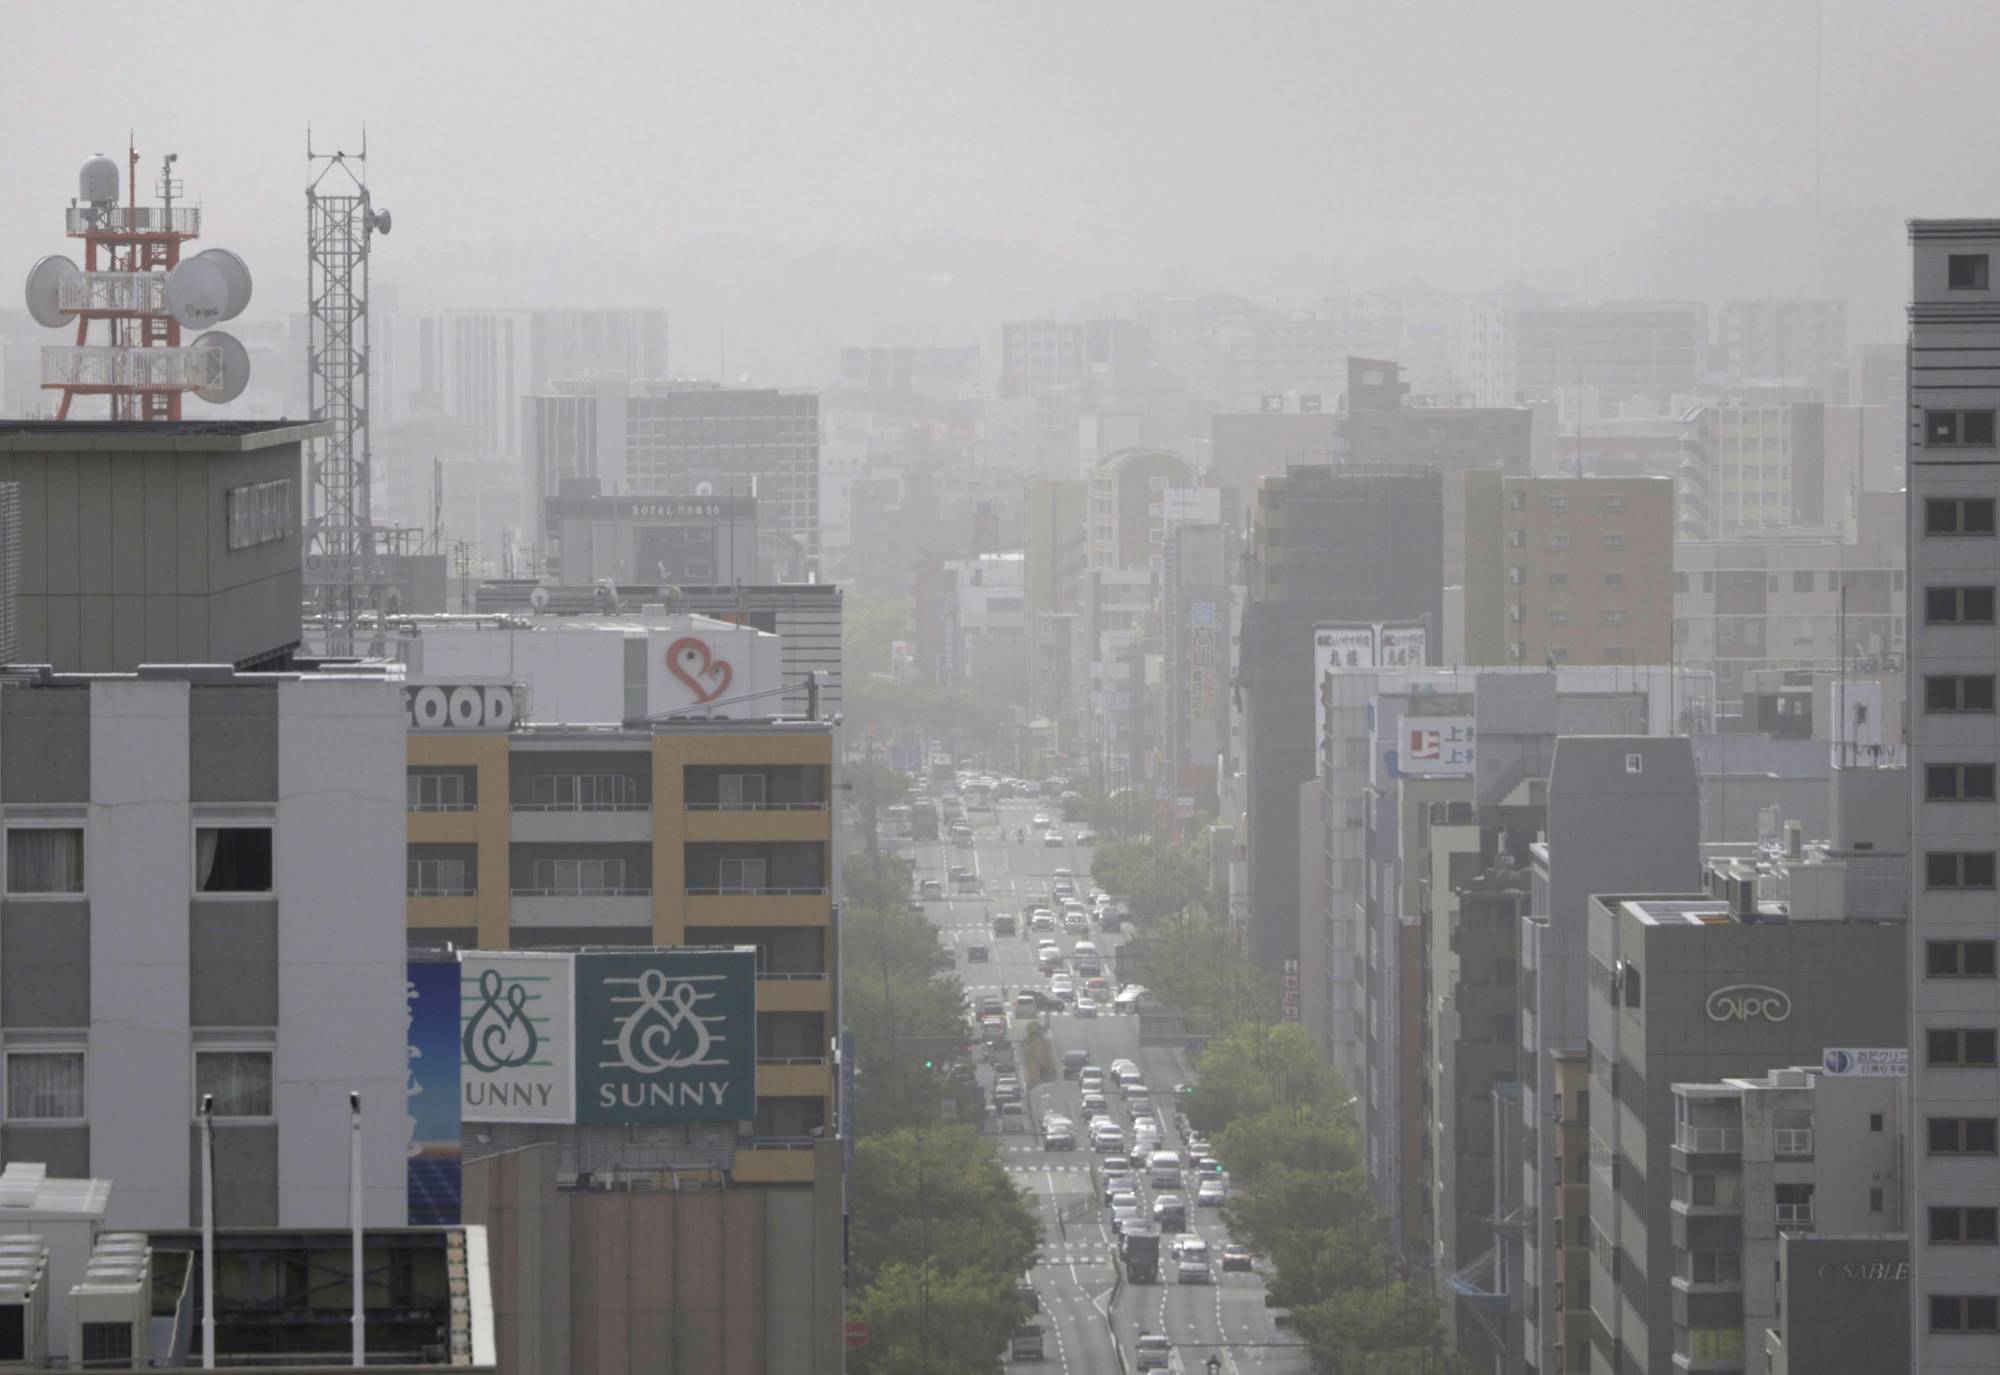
[[1079, 1253]]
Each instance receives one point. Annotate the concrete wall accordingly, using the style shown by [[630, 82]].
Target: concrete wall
[[730, 1280]]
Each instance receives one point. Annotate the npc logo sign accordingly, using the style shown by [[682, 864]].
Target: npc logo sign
[[666, 1036]]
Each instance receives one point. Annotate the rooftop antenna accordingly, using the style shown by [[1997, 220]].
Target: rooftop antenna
[[341, 221]]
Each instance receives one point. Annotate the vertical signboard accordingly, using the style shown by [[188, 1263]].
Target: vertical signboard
[[431, 1007], [517, 1038], [666, 1036], [1400, 646], [1335, 646]]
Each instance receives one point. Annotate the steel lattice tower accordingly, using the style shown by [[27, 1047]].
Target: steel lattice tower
[[340, 548]]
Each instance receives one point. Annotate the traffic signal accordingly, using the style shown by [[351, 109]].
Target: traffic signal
[[930, 1064]]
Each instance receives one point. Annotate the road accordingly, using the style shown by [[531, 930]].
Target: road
[[1089, 1318]]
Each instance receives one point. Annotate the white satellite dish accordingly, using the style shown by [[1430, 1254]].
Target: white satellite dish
[[45, 283], [230, 371], [539, 598], [210, 287]]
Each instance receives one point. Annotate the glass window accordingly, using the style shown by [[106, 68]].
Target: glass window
[[1961, 1047], [1958, 429], [1958, 605], [1969, 692], [1959, 515], [1959, 959], [1958, 782], [232, 859], [740, 875], [741, 791], [1965, 1313], [1964, 1135], [1966, 271], [44, 859], [45, 1086], [239, 1079]]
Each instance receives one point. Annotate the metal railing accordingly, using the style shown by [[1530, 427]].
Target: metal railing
[[797, 975], [582, 806], [139, 293], [132, 219], [444, 892], [582, 892], [1692, 1138], [442, 807], [1792, 1141], [756, 892], [791, 1059], [1795, 1214], [104, 365], [756, 806]]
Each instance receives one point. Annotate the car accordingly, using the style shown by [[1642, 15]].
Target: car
[[1139, 1105], [1131, 1080], [1091, 1078], [1026, 1005], [1093, 1102], [1052, 839], [1085, 1007], [1074, 1062], [1086, 837], [1013, 1117], [1153, 1352], [1208, 1167], [930, 890], [1107, 1139], [1170, 1213], [1062, 985], [1049, 961], [1122, 1214], [978, 954], [1236, 1257], [991, 1006], [993, 1028], [1197, 1145], [1063, 887], [1110, 919], [1058, 1134], [1042, 920], [1006, 1089], [1145, 1142], [1040, 821], [1003, 925], [1191, 1261], [1084, 949], [1118, 1184], [1211, 1193], [1097, 986]]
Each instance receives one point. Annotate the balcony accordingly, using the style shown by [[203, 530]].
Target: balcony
[[579, 799], [1708, 1140], [794, 1077], [775, 1161], [561, 886], [1792, 1141], [794, 992], [1795, 1217]]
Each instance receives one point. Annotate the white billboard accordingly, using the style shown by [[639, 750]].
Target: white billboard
[[1877, 1063], [1400, 646], [517, 1038], [709, 669], [1435, 746], [1336, 646]]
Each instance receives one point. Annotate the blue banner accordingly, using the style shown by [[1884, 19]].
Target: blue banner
[[432, 991]]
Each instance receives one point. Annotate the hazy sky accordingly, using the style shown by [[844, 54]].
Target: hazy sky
[[1134, 145]]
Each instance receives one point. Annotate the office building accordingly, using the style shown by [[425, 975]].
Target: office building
[[1128, 519], [939, 373], [1568, 570], [1606, 359], [565, 828], [1690, 989], [10, 572], [681, 439], [1197, 640], [1784, 338], [620, 342], [1353, 545], [1953, 483], [1755, 467], [1791, 1153], [1844, 1301], [157, 542], [668, 540], [1620, 809], [1246, 447], [200, 870]]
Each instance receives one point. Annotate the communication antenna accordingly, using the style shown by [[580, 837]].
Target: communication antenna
[[134, 281], [341, 220]]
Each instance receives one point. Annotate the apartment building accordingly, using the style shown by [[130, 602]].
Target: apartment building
[[1568, 570], [1954, 483], [1753, 467], [1793, 1152], [1693, 988], [1607, 357], [1784, 337], [200, 865]]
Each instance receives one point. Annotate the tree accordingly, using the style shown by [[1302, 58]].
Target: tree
[[1254, 1068], [941, 1324], [874, 784], [938, 1193]]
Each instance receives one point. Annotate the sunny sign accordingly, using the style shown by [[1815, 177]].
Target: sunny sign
[[666, 1036]]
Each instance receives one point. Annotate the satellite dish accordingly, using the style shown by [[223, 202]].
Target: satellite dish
[[46, 280], [226, 375], [539, 599], [208, 288], [379, 221]]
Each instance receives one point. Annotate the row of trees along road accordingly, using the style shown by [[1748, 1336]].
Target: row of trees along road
[[1282, 1121], [940, 1235]]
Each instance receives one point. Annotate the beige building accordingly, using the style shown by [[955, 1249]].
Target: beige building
[[1568, 570]]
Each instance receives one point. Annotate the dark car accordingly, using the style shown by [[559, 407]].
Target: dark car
[[977, 954], [1235, 1257], [1003, 925], [1073, 1062]]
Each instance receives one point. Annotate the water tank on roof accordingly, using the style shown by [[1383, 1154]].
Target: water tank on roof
[[97, 183]]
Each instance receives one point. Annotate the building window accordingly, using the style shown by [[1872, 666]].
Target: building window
[[1958, 869], [1959, 959], [439, 878], [1517, 501], [580, 877], [240, 1081], [1958, 782], [1614, 504], [1633, 983], [1558, 541], [1876, 1122], [1517, 539], [1558, 582], [1965, 271], [1635, 763], [1958, 605], [1964, 1135], [1558, 615], [1614, 541], [232, 859], [1612, 654], [740, 875], [1876, 1200], [1973, 1226], [1802, 582], [1965, 1313], [1969, 692], [740, 791], [1612, 615], [1715, 1190], [44, 859], [1558, 503], [45, 1086], [1959, 515], [1614, 578], [1680, 582], [1958, 429], [440, 790], [1715, 1267], [1962, 1048]]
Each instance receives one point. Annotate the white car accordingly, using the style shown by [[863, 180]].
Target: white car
[[1191, 1261], [1052, 839], [1085, 1007], [1211, 1193], [1040, 821], [1106, 1138]]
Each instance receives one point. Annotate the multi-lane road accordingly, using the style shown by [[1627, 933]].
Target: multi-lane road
[[1090, 1319]]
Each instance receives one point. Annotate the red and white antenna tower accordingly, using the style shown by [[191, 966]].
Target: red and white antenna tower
[[134, 280]]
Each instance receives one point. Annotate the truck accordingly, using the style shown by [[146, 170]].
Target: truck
[[1139, 1247], [1026, 1344]]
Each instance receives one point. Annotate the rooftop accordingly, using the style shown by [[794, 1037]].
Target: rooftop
[[151, 436]]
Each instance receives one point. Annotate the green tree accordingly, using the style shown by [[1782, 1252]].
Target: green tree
[[937, 1324], [873, 784], [1254, 1068], [940, 1193], [868, 628]]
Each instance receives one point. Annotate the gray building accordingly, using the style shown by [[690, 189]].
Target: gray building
[[1691, 988], [157, 542], [1620, 809], [202, 897], [1846, 1305], [1954, 483], [10, 572], [1762, 1159], [667, 540]]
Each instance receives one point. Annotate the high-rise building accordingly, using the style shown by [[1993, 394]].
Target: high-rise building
[[1784, 338], [1953, 484], [1568, 570], [1604, 358], [682, 439]]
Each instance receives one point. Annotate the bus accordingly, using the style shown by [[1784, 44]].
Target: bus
[[896, 820], [924, 821]]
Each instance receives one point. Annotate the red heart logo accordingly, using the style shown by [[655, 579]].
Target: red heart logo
[[691, 661]]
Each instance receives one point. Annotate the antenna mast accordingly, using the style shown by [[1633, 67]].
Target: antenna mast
[[340, 537]]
